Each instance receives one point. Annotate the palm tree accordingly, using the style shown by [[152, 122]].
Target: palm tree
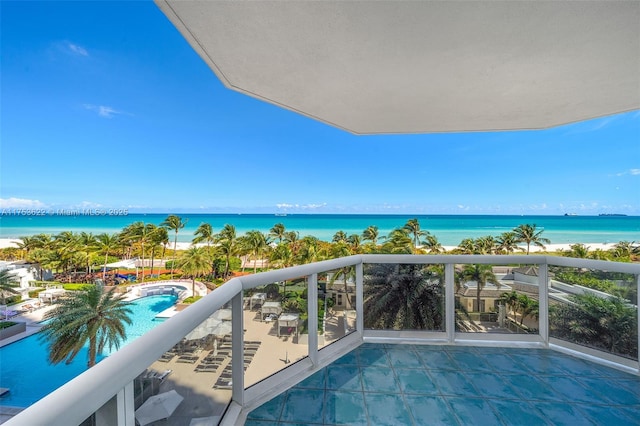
[[139, 233], [92, 316], [174, 223], [105, 243], [467, 246], [626, 250], [158, 237], [354, 242], [27, 244], [66, 244], [194, 262], [293, 239], [485, 245], [281, 256], [371, 234], [255, 244], [481, 274], [205, 234], [508, 243], [432, 245], [511, 300], [346, 274], [413, 227], [278, 231], [528, 307], [227, 245], [88, 241], [397, 242], [8, 284], [309, 250], [403, 297], [530, 235], [340, 237], [578, 250]]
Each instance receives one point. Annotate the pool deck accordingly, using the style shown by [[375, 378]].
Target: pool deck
[[379, 384]]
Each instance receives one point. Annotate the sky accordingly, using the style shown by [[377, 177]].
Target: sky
[[104, 105]]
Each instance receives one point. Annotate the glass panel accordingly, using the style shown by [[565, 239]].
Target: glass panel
[[497, 298], [594, 308], [404, 297], [336, 305], [275, 328], [197, 369]]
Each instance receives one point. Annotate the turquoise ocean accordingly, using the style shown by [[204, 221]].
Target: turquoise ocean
[[449, 229]]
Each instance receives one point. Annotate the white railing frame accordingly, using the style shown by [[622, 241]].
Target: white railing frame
[[114, 375]]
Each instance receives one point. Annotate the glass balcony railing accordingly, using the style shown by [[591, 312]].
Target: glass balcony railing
[[258, 335]]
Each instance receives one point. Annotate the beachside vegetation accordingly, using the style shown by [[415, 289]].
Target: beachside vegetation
[[92, 317], [81, 257], [175, 224], [8, 285], [610, 324], [403, 297]]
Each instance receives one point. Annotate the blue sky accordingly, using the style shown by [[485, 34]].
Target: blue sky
[[105, 105]]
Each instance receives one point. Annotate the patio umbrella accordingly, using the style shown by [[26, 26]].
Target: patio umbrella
[[222, 314], [198, 333], [222, 329], [158, 407]]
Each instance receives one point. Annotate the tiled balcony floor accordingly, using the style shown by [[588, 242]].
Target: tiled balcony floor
[[452, 385]]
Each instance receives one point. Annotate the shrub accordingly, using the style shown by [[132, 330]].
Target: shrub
[[192, 299], [6, 324]]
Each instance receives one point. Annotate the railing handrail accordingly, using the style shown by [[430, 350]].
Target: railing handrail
[[108, 377]]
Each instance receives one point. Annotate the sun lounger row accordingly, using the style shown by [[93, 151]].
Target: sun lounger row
[[189, 357]]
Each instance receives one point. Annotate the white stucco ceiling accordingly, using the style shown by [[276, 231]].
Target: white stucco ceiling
[[423, 66]]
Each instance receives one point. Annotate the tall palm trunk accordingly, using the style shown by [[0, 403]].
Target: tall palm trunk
[[93, 352], [175, 245]]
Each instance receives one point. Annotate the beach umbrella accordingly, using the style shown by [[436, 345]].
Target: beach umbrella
[[222, 329], [222, 314], [198, 333], [158, 407]]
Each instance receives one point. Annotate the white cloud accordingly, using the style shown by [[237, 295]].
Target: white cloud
[[633, 172], [20, 203], [78, 50], [103, 110], [310, 206]]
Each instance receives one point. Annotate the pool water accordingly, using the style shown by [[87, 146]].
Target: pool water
[[25, 369]]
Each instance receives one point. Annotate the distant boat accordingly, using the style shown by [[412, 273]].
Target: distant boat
[[570, 214], [611, 214]]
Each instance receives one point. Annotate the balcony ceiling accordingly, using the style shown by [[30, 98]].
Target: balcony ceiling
[[423, 66]]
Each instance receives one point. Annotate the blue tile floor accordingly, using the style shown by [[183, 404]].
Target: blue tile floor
[[452, 385]]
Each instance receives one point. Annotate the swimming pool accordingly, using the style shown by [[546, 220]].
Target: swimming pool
[[25, 369]]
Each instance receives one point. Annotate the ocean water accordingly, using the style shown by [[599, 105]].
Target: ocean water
[[449, 229]]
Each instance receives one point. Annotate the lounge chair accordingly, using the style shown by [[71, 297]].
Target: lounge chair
[[207, 368], [167, 356], [163, 375], [191, 358]]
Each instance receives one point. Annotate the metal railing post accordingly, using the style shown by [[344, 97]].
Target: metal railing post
[[638, 315], [237, 348], [450, 302], [543, 303], [360, 298], [126, 406], [312, 318]]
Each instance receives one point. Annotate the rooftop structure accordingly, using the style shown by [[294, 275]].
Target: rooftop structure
[[434, 66]]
